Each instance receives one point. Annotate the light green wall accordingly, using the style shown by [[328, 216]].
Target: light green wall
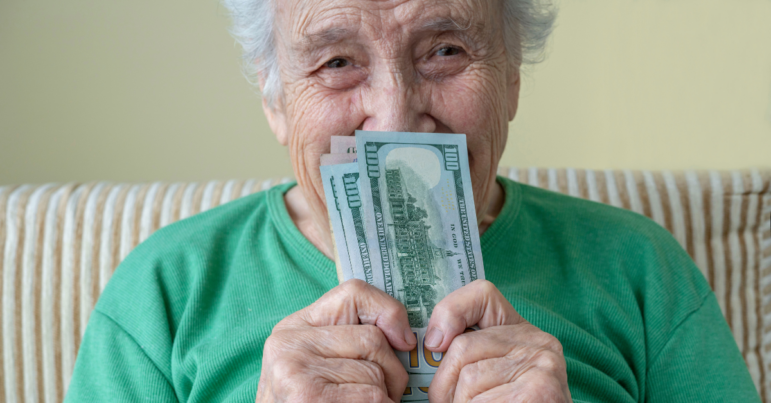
[[140, 90], [654, 84]]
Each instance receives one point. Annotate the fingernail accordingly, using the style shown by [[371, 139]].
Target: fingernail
[[434, 337], [409, 337]]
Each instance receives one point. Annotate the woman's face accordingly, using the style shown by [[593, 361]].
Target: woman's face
[[392, 65]]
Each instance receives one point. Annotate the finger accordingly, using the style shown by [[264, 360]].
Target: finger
[[354, 393], [503, 393], [358, 342], [478, 361], [533, 386], [355, 302], [483, 376], [479, 303], [341, 371]]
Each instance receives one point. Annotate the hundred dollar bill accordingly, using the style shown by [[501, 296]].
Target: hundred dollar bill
[[342, 145], [413, 394], [348, 231], [334, 159], [421, 226], [345, 207]]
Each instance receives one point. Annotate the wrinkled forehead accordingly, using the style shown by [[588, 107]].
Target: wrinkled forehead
[[306, 22]]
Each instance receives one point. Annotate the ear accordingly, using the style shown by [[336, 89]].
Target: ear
[[512, 91]]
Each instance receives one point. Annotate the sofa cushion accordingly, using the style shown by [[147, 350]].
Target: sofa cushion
[[59, 245]]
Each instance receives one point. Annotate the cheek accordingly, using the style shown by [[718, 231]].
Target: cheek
[[474, 104], [314, 115]]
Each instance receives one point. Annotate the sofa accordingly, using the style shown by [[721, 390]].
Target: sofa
[[60, 243]]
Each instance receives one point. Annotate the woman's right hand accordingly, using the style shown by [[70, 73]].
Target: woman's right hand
[[340, 348]]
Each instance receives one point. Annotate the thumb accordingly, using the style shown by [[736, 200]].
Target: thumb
[[479, 303], [356, 302]]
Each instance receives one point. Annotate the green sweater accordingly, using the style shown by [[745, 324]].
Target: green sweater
[[186, 315]]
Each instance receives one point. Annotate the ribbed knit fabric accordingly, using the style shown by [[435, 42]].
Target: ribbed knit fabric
[[185, 316]]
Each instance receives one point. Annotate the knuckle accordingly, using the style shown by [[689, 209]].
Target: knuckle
[[372, 338], [542, 339], [284, 340], [286, 322], [284, 369], [486, 286], [461, 343], [470, 374], [394, 307], [272, 346], [551, 343], [549, 361], [394, 311], [374, 372], [288, 381]]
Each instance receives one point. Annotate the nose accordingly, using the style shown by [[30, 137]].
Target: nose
[[395, 101]]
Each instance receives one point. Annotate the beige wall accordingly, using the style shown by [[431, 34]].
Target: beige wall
[[140, 90]]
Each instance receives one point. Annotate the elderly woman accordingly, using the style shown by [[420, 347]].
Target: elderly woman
[[584, 302]]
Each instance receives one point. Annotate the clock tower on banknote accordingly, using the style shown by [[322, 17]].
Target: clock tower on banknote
[[414, 255]]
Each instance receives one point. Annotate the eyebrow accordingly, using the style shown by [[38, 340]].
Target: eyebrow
[[333, 35], [325, 37], [445, 24], [473, 31]]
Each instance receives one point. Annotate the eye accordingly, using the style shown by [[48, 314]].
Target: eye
[[336, 63], [448, 51], [444, 60], [341, 73]]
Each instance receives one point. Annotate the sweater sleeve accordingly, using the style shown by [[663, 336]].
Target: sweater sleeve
[[112, 367], [700, 362]]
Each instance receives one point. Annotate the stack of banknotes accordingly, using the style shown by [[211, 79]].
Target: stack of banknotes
[[402, 213]]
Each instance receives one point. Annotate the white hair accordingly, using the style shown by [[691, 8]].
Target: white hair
[[527, 25]]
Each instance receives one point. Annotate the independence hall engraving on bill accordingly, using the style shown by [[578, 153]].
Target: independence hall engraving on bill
[[414, 252]]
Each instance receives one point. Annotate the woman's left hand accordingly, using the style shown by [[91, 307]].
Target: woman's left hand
[[508, 360]]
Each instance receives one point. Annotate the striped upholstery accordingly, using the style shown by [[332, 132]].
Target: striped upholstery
[[59, 244]]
